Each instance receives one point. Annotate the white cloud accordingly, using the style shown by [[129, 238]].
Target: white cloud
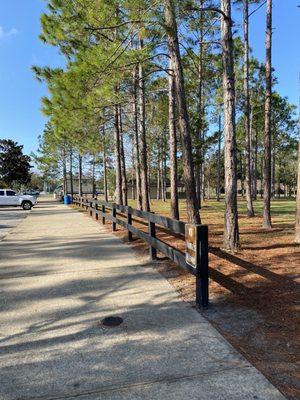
[[5, 34]]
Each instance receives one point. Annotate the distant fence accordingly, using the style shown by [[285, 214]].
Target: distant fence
[[113, 212]]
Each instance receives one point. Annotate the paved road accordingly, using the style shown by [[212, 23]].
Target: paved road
[[61, 273], [9, 218]]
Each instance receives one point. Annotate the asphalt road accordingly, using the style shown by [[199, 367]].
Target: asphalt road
[[9, 218]]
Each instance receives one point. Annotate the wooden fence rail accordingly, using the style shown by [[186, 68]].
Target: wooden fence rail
[[113, 212]]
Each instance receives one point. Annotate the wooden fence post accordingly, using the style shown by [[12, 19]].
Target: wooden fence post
[[114, 214], [151, 231], [103, 216], [129, 222], [91, 208], [202, 266]]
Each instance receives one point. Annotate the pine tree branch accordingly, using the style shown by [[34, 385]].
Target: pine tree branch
[[214, 9]]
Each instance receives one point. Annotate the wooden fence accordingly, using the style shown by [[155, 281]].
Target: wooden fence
[[113, 212]]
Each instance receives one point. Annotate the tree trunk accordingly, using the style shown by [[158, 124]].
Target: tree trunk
[[251, 148], [142, 135], [158, 189], [118, 192], [173, 147], [64, 162], [93, 178], [200, 109], [219, 162], [273, 169], [123, 163], [255, 164], [297, 225], [71, 173], [250, 210], [231, 229], [139, 204], [132, 170], [242, 174], [187, 156], [268, 110], [202, 173], [104, 168], [164, 172], [261, 174], [80, 175]]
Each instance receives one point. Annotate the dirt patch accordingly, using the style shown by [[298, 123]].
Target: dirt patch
[[254, 294]]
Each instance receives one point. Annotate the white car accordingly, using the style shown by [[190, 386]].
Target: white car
[[10, 198]]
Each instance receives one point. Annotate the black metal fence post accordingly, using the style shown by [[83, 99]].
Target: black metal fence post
[[152, 250], [96, 211], [202, 266], [129, 222], [103, 216], [114, 214]]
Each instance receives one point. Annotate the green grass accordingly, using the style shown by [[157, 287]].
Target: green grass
[[284, 208]]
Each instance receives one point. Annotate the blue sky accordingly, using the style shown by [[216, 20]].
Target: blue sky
[[20, 48]]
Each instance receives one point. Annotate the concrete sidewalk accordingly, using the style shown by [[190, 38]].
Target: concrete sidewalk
[[61, 273]]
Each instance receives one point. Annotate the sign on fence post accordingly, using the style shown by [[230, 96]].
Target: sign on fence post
[[191, 242], [196, 255]]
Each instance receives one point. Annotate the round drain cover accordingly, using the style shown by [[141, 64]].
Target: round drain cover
[[112, 321]]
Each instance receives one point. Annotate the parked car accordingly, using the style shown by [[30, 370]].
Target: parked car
[[10, 198]]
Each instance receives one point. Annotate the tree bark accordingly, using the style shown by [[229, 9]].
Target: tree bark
[[183, 119], [123, 162], [132, 172], [173, 147], [164, 172], [104, 167], [250, 210], [297, 224], [118, 192], [142, 136], [158, 189], [64, 162], [71, 173], [219, 162], [273, 169], [255, 163], [93, 177], [199, 169], [80, 175], [242, 174], [267, 224], [139, 204], [231, 228]]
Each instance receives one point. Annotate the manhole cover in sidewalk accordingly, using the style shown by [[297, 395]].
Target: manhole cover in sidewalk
[[112, 321]]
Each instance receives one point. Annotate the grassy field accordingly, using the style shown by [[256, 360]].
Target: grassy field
[[280, 209], [212, 214]]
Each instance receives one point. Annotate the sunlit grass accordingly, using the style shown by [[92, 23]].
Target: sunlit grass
[[280, 208]]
